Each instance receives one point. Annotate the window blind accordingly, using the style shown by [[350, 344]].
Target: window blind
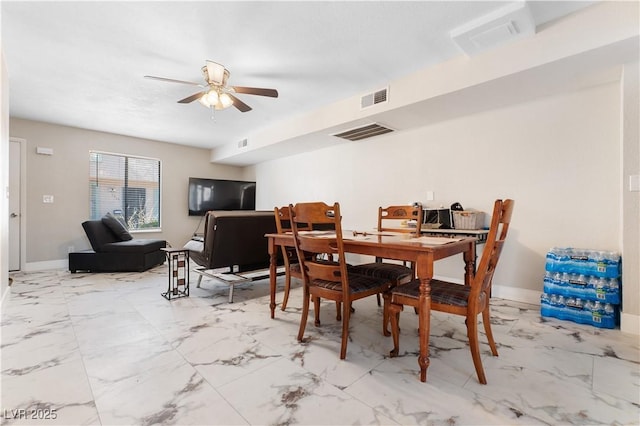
[[127, 186]]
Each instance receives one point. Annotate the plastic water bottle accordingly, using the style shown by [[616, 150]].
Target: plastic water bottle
[[601, 288], [577, 261], [551, 260], [549, 285], [553, 305], [579, 311], [545, 305], [612, 261], [565, 279], [614, 290], [608, 309], [599, 265], [570, 305], [591, 283], [588, 308], [597, 313]]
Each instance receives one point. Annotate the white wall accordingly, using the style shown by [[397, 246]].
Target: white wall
[[567, 157], [630, 92], [558, 157], [52, 228], [4, 177]]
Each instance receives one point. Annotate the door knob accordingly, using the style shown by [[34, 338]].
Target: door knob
[[13, 215]]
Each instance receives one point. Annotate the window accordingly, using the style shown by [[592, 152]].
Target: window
[[126, 186]]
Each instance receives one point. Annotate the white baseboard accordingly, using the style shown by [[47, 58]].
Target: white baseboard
[[516, 294], [46, 265], [630, 323]]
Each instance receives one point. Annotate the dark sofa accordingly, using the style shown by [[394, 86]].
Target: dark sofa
[[115, 251], [235, 239]]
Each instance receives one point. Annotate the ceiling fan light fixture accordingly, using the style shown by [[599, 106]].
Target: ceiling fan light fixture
[[216, 73], [217, 95], [212, 97], [204, 102], [225, 100], [216, 100], [209, 99]]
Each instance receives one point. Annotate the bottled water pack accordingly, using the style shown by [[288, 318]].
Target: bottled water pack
[[583, 286], [599, 263], [597, 314]]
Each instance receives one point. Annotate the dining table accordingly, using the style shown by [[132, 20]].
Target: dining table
[[423, 251]]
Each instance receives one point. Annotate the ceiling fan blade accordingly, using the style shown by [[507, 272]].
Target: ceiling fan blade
[[171, 80], [191, 98], [239, 104], [272, 93]]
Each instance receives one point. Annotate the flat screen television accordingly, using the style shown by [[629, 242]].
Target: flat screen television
[[219, 194]]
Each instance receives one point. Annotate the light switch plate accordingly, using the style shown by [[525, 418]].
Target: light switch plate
[[430, 196], [634, 183], [47, 199]]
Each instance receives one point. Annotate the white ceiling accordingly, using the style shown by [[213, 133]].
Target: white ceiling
[[82, 63]]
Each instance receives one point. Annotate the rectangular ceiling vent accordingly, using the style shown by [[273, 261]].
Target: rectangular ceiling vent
[[377, 97], [364, 132], [509, 23]]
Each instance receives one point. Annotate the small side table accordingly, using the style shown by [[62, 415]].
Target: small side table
[[178, 259]]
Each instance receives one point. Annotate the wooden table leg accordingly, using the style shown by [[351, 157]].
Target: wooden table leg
[[272, 276], [424, 267], [470, 264]]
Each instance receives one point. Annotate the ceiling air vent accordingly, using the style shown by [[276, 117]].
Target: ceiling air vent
[[377, 97], [509, 23], [364, 132]]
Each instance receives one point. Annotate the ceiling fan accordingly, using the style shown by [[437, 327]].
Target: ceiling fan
[[217, 94]]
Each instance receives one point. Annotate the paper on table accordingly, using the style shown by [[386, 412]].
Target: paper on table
[[433, 241], [319, 234], [381, 233]]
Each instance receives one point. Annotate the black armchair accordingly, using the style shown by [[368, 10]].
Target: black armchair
[[114, 250]]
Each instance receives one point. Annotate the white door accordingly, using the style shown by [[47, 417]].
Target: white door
[[14, 205]]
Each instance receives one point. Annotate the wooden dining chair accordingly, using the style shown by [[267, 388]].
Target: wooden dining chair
[[292, 267], [467, 301], [328, 279], [389, 219], [291, 264]]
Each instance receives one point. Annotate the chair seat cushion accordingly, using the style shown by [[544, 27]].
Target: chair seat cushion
[[398, 274], [357, 283], [442, 292], [134, 246]]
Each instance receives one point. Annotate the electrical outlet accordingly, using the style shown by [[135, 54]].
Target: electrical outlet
[[71, 249], [47, 199], [430, 196]]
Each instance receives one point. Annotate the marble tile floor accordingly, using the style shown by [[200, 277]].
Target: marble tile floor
[[108, 349]]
